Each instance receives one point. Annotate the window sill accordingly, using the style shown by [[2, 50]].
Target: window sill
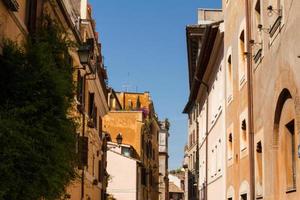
[[243, 149], [291, 190]]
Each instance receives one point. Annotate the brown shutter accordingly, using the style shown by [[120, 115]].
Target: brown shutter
[[83, 151], [100, 171]]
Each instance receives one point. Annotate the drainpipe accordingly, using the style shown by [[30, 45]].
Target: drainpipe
[[197, 159], [83, 131], [206, 138], [250, 100], [206, 142]]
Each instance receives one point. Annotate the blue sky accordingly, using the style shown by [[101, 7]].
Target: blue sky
[[144, 46]]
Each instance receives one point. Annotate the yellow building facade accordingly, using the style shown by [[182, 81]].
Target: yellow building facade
[[18, 19], [136, 121]]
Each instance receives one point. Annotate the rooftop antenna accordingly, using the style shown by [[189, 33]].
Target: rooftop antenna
[[126, 86]]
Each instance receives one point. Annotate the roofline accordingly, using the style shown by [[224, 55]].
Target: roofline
[[205, 53]]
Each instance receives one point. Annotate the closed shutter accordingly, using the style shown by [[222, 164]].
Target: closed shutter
[[83, 151]]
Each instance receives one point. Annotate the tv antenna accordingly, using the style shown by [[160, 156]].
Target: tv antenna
[[126, 86]]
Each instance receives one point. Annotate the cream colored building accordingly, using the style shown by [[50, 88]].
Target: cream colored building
[[163, 160], [262, 49], [124, 172], [206, 104]]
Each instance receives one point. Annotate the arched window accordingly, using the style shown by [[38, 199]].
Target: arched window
[[258, 12], [284, 124], [229, 79], [230, 146], [258, 170], [258, 22], [242, 57], [230, 193], [290, 155], [244, 191]]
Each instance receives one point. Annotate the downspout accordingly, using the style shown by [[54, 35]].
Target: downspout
[[197, 159], [206, 138], [83, 133], [250, 100], [206, 143]]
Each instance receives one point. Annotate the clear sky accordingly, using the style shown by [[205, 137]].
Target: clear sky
[[144, 45]]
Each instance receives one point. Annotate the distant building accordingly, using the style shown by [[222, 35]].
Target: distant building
[[133, 116], [176, 186], [124, 171], [163, 160], [204, 157]]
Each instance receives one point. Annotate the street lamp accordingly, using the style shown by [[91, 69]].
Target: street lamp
[[119, 139], [85, 52]]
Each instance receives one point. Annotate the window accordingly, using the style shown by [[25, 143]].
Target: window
[[100, 127], [243, 135], [31, 13], [242, 57], [258, 170], [143, 176], [229, 79], [257, 13], [257, 48], [127, 151], [244, 197], [290, 163], [79, 94], [91, 104], [230, 146], [95, 117]]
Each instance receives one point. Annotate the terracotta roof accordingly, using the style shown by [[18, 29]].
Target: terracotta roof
[[174, 189]]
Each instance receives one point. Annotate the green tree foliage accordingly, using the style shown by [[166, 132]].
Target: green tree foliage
[[37, 135]]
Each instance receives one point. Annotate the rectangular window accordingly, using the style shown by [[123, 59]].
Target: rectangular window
[[100, 128], [79, 94], [95, 117], [31, 14], [244, 197], [126, 151], [83, 151], [143, 176], [91, 104]]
